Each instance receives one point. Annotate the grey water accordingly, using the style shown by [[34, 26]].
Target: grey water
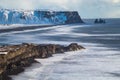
[[99, 61]]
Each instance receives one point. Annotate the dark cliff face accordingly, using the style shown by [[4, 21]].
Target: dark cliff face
[[65, 17], [73, 17], [39, 17]]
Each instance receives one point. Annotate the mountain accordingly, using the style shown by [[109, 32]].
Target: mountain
[[38, 17]]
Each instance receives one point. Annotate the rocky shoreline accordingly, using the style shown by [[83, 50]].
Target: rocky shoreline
[[13, 58]]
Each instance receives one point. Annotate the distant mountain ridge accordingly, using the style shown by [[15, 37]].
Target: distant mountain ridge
[[38, 17]]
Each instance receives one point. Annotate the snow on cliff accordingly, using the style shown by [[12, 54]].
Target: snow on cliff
[[38, 17]]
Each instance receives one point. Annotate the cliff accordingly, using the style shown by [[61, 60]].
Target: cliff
[[38, 17], [23, 55]]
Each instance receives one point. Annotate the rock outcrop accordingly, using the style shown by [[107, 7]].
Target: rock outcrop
[[23, 55]]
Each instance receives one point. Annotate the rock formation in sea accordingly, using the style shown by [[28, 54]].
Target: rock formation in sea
[[23, 55], [38, 17]]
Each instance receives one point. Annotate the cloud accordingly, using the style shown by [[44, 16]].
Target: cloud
[[33, 4], [115, 1], [86, 8], [16, 4]]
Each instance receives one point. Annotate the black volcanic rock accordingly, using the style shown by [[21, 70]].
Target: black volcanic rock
[[44, 51], [23, 55], [60, 49], [74, 47]]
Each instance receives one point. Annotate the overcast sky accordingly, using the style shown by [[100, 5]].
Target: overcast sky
[[86, 8]]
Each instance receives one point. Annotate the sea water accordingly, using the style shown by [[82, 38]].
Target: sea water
[[99, 61]]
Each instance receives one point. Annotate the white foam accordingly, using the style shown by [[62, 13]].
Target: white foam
[[94, 61], [32, 72], [3, 52]]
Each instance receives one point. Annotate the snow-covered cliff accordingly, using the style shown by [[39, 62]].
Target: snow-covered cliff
[[38, 17]]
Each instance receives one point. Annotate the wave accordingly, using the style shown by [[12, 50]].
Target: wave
[[97, 62], [93, 58], [32, 73]]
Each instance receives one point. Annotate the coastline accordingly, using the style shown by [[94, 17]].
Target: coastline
[[30, 27], [23, 55], [23, 27]]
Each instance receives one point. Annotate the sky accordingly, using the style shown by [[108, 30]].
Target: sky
[[86, 8]]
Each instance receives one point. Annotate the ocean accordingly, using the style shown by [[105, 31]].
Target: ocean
[[99, 61]]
